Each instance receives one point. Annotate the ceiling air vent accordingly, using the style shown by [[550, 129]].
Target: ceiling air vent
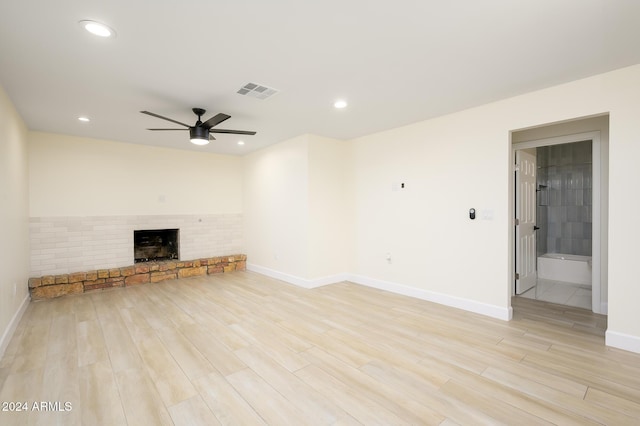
[[257, 91]]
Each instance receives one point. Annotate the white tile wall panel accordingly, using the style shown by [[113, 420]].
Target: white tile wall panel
[[61, 245]]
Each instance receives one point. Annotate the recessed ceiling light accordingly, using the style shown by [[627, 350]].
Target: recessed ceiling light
[[240, 142], [84, 119], [97, 28], [340, 104]]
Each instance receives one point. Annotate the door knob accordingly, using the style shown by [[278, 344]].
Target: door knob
[[535, 228]]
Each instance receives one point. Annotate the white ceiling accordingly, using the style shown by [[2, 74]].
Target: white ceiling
[[396, 62]]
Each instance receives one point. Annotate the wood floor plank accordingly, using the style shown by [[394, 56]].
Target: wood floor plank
[[575, 404], [100, 402], [313, 405], [192, 412], [553, 381], [213, 325], [123, 353], [140, 399], [62, 337], [624, 406], [61, 381], [83, 308], [590, 377], [499, 411], [225, 402], [188, 357], [169, 308], [243, 348], [284, 355], [265, 400], [23, 388], [624, 373], [362, 408], [172, 383], [374, 388], [91, 345], [32, 352], [218, 355]]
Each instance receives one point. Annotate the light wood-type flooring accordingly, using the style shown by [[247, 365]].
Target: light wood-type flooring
[[244, 349]]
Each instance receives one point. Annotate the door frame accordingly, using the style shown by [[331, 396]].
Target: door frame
[[596, 222]]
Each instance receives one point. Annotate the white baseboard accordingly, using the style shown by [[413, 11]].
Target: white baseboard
[[295, 280], [443, 299], [492, 311], [11, 328], [604, 308], [622, 341]]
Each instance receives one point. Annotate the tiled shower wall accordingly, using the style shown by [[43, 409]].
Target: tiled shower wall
[[61, 245], [564, 198]]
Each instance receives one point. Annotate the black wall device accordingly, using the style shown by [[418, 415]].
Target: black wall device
[[472, 213]]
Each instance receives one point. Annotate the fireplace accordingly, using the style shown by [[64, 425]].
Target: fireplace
[[155, 244]]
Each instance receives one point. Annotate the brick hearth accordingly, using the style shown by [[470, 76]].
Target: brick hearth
[[49, 286]]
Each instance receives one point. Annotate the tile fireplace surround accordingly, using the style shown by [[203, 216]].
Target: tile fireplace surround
[[68, 247]]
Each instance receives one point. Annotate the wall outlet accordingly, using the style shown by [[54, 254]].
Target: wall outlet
[[388, 257]]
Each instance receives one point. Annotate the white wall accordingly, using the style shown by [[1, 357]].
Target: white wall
[[448, 165], [297, 210], [72, 176], [624, 175], [88, 196], [463, 160], [14, 212], [330, 207], [276, 208]]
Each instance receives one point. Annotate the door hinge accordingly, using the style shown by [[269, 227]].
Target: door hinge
[[516, 221], [517, 276]]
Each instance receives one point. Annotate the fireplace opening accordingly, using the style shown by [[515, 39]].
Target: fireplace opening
[[155, 244]]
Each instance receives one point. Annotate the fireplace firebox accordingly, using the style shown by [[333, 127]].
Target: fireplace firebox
[[155, 244]]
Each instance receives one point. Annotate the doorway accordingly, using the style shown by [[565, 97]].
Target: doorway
[[554, 233], [559, 254]]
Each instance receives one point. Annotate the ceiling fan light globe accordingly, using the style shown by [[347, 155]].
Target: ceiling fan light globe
[[199, 141]]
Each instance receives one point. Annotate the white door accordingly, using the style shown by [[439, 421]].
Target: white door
[[526, 220]]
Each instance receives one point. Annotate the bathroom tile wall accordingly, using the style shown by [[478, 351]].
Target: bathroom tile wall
[[564, 198], [62, 245]]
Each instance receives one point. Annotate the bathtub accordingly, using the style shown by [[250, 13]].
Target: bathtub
[[570, 268]]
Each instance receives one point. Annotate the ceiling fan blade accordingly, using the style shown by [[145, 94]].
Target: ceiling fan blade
[[215, 120], [167, 129], [235, 132], [164, 118], [211, 138]]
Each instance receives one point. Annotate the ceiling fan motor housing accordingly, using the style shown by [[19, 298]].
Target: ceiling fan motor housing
[[199, 133]]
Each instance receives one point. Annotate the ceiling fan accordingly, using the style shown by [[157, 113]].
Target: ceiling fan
[[200, 133]]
